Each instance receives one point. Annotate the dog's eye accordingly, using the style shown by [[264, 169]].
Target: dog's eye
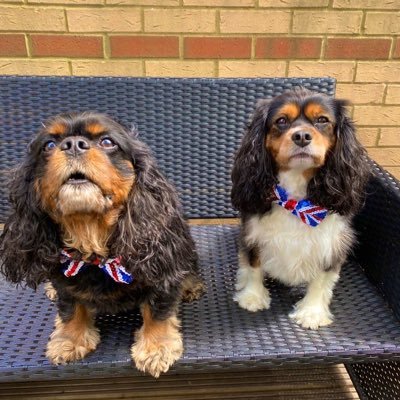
[[281, 121], [50, 145], [322, 120], [107, 143]]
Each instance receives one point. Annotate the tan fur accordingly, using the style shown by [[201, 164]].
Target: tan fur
[[95, 128], [72, 340], [89, 233], [314, 110], [112, 187], [282, 147], [290, 110], [158, 344], [57, 128], [86, 213]]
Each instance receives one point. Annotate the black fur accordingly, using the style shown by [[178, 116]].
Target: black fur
[[150, 235], [339, 185]]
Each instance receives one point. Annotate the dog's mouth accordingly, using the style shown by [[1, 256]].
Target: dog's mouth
[[77, 178], [300, 156]]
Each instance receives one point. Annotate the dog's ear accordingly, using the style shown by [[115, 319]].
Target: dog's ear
[[253, 173], [151, 233], [29, 244], [340, 184]]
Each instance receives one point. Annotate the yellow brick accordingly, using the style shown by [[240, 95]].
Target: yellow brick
[[342, 71], [379, 4], [33, 67], [180, 68], [395, 171], [219, 3], [389, 156], [323, 22], [377, 115], [378, 71], [107, 68], [393, 94], [382, 23], [232, 69], [31, 19], [66, 2], [179, 20], [389, 137], [105, 19], [144, 2], [264, 21], [359, 93], [367, 136], [293, 3]]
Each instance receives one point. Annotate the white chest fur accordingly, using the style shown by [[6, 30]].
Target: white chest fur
[[290, 250]]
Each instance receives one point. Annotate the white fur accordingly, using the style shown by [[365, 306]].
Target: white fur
[[295, 253], [251, 293], [313, 310]]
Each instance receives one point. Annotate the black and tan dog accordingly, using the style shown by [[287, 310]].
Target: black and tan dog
[[298, 179], [94, 215]]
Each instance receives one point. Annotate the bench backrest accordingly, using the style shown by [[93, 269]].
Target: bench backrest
[[193, 126]]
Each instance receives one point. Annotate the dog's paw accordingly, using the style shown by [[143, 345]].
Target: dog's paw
[[253, 300], [50, 292], [311, 317], [193, 288], [155, 355], [63, 349]]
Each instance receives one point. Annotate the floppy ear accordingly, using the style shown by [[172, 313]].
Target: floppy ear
[[29, 244], [340, 184], [151, 233], [253, 173]]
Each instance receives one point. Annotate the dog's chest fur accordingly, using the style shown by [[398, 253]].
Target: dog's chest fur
[[292, 251]]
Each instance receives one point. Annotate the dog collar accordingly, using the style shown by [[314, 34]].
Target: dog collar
[[110, 266], [308, 213]]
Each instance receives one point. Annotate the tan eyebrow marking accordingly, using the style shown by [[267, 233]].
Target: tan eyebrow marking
[[95, 128], [57, 128], [291, 110]]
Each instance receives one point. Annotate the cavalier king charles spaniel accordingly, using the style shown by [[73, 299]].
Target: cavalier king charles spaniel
[[93, 214], [299, 177]]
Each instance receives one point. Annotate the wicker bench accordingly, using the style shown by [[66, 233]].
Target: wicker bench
[[194, 126]]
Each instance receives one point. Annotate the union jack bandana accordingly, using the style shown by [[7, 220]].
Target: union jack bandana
[[111, 267], [308, 213]]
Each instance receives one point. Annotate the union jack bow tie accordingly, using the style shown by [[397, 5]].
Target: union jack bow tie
[[111, 267], [308, 213]]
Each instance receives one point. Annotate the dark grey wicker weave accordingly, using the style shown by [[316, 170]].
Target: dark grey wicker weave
[[194, 126]]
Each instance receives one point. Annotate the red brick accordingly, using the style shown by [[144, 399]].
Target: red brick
[[144, 46], [12, 45], [396, 53], [361, 49], [67, 46], [214, 47], [284, 47]]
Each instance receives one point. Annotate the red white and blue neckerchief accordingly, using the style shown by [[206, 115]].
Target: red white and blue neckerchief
[[111, 267], [308, 213]]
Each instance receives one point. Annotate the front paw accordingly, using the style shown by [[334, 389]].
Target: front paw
[[62, 349], [311, 317], [156, 355], [253, 300], [50, 292]]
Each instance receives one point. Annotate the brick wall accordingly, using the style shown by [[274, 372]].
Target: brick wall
[[355, 41]]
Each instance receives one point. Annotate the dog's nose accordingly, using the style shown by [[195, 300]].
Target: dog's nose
[[74, 145], [301, 138]]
